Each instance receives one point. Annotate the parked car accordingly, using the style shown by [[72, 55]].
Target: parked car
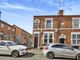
[[61, 50], [10, 48]]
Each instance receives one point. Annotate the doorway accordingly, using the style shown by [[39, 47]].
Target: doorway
[[62, 40], [35, 40]]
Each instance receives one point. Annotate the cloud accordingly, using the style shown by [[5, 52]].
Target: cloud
[[23, 21], [18, 6], [48, 2]]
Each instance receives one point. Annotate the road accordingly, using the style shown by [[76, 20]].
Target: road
[[28, 58], [31, 55]]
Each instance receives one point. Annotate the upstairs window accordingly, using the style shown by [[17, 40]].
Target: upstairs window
[[48, 23], [76, 22], [36, 23]]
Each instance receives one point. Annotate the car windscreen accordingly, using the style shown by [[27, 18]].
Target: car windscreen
[[11, 43]]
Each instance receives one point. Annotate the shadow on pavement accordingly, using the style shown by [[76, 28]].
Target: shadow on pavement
[[24, 56], [64, 58], [5, 55], [28, 55]]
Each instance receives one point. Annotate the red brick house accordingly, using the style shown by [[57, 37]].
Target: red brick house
[[56, 29], [14, 33], [22, 36], [7, 32]]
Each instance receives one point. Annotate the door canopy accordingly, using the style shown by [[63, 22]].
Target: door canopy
[[62, 36]]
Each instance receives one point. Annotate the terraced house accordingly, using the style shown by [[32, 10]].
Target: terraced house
[[56, 29], [22, 36], [14, 33], [7, 32]]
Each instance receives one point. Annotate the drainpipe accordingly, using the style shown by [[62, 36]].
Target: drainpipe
[[0, 15]]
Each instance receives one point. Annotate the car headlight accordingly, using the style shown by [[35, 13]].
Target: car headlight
[[21, 49]]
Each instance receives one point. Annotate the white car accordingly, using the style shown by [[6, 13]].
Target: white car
[[61, 50], [10, 48]]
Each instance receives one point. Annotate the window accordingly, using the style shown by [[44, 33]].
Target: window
[[50, 38], [11, 43], [36, 23], [2, 43], [61, 46], [76, 22], [58, 46], [47, 38], [49, 22], [76, 39]]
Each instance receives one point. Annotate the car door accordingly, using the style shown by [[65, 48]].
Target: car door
[[69, 52], [3, 48], [57, 49]]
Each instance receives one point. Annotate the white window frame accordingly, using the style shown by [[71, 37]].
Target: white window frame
[[73, 23], [37, 21], [51, 22], [71, 38], [48, 39]]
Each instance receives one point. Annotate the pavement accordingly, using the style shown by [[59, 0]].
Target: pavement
[[33, 54]]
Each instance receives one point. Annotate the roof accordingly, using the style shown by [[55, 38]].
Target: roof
[[6, 23], [57, 15], [21, 29]]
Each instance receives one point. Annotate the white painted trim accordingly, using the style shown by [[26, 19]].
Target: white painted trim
[[62, 36], [37, 20], [51, 22], [59, 29], [76, 18], [48, 33], [75, 32], [36, 32]]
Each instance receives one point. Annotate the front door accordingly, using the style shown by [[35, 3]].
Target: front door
[[35, 40], [62, 40]]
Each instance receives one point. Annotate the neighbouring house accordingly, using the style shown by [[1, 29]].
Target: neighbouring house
[[56, 29], [7, 32], [14, 33], [22, 36]]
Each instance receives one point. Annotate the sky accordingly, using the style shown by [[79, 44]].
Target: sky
[[21, 12]]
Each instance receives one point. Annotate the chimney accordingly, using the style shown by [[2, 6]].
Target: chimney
[[0, 15], [60, 12]]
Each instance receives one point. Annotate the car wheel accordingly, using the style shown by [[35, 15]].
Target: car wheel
[[78, 57], [50, 55], [15, 53]]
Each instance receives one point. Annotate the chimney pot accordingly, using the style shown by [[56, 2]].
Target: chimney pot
[[60, 12]]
